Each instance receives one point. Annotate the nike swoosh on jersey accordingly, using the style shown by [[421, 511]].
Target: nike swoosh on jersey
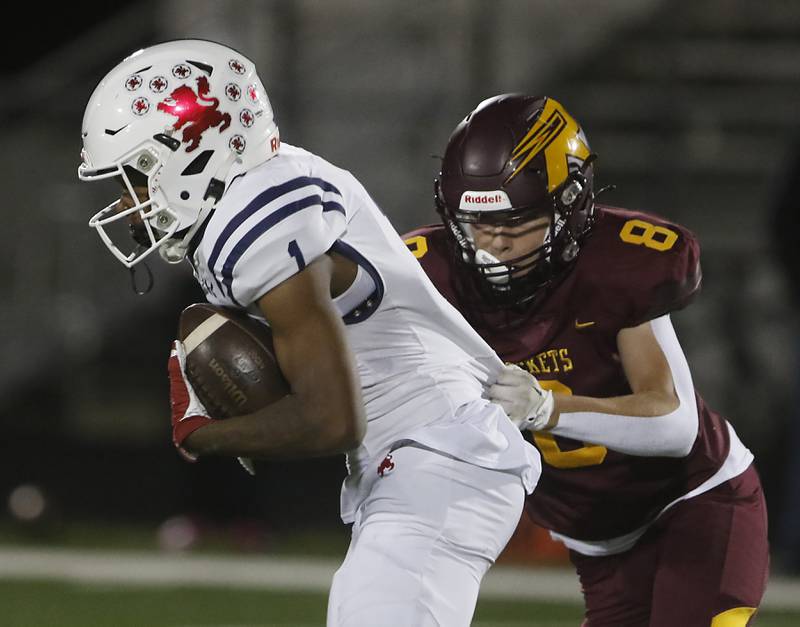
[[583, 325]]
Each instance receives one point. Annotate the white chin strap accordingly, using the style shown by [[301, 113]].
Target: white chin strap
[[174, 250], [483, 257]]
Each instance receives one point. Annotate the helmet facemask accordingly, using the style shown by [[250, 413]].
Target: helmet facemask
[[149, 221]]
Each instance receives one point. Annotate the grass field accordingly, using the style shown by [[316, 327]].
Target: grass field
[[57, 604], [98, 580]]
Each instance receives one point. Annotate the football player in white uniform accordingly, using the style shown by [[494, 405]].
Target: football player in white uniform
[[380, 365]]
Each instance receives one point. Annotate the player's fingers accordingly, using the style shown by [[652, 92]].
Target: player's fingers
[[499, 392], [504, 392], [180, 352], [515, 377], [185, 454]]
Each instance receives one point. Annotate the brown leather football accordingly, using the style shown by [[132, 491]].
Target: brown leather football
[[230, 360]]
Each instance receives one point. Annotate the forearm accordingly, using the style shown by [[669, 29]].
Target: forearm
[[669, 435], [287, 429], [658, 422], [648, 423], [643, 404]]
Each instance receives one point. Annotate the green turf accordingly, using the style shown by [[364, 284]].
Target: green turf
[[35, 604]]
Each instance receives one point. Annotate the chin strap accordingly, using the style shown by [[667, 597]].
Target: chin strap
[[174, 250], [141, 291]]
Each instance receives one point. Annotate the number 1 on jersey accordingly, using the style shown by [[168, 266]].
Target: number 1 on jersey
[[294, 251]]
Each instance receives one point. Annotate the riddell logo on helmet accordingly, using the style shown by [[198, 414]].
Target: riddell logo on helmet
[[486, 198], [484, 201]]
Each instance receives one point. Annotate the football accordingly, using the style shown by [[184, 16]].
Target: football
[[230, 360]]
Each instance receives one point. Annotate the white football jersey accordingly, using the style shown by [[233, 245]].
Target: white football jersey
[[423, 369]]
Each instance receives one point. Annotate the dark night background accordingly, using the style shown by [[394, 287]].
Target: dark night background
[[691, 107]]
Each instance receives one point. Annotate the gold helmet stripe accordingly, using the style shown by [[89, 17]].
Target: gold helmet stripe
[[557, 134]]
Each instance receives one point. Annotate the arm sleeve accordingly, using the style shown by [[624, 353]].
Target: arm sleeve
[[670, 435]]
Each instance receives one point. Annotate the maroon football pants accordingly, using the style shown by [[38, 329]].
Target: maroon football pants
[[705, 556]]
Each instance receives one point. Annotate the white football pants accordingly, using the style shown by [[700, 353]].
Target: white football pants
[[422, 540]]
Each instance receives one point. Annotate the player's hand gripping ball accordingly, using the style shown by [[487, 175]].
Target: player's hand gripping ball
[[222, 365]]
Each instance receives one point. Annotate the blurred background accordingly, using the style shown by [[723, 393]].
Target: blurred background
[[691, 106]]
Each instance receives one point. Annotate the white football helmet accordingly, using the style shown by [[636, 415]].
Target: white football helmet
[[187, 115]]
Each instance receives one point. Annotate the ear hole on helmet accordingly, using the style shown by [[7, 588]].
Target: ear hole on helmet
[[215, 189], [198, 164]]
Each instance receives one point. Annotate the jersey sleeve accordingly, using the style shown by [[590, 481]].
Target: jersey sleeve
[[278, 240], [655, 267]]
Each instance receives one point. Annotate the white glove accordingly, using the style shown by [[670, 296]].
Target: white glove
[[523, 399]]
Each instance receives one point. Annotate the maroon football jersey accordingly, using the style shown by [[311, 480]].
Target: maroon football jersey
[[632, 268]]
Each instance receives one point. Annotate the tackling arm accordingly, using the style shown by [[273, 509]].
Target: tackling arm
[[658, 419], [324, 414]]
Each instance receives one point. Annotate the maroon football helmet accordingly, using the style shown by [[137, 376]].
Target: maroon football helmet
[[514, 159]]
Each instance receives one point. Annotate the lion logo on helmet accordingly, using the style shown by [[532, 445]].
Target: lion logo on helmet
[[195, 111]]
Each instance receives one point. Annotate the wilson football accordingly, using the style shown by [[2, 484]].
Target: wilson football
[[230, 360]]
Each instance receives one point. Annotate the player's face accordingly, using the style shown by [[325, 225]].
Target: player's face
[[509, 242], [126, 201]]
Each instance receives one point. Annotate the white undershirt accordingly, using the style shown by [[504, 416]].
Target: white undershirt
[[360, 289]]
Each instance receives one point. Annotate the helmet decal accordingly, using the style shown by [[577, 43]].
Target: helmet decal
[[181, 71], [484, 201], [233, 92], [195, 110], [134, 82], [140, 106], [237, 66], [237, 143], [557, 134], [158, 84], [246, 118]]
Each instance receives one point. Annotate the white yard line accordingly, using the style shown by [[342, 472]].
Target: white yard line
[[278, 573]]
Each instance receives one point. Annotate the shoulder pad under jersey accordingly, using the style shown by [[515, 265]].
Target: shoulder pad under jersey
[[253, 245], [638, 265]]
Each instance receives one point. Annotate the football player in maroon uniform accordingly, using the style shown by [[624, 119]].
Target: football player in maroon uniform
[[653, 493]]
